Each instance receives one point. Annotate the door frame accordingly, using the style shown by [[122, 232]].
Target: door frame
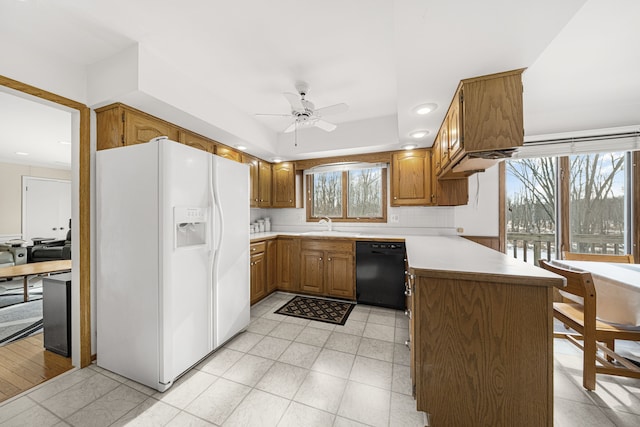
[[81, 262]]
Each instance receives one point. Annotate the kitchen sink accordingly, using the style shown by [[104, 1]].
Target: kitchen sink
[[330, 233]]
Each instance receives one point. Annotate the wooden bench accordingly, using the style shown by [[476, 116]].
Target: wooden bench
[[34, 269]]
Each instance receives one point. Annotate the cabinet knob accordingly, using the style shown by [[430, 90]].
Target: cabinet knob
[[407, 292], [408, 343], [320, 258], [395, 198], [407, 313], [329, 259]]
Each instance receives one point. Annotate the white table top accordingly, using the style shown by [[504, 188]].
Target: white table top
[[617, 289]]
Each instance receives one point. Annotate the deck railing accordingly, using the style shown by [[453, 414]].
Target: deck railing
[[530, 247]]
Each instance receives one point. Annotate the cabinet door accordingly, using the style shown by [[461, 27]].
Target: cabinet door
[[455, 127], [254, 189], [140, 128], [411, 178], [196, 141], [110, 128], [312, 271], [272, 265], [264, 179], [258, 277], [288, 261], [443, 137], [284, 185], [340, 275], [228, 153]]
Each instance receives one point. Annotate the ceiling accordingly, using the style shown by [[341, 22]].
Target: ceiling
[[381, 57]]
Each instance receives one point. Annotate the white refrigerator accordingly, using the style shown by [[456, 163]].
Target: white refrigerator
[[172, 258]]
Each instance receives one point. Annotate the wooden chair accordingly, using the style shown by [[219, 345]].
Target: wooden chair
[[572, 256], [595, 335]]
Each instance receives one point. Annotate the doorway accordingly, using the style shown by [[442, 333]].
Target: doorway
[[81, 184]]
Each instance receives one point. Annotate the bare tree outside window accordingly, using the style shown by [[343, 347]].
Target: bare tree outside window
[[350, 195], [327, 194], [596, 205], [365, 193]]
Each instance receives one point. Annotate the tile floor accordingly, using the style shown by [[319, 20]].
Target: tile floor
[[286, 371]]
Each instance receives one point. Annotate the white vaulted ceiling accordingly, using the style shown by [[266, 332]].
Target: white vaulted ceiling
[[381, 57]]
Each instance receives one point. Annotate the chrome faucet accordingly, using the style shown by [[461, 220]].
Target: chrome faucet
[[326, 220]]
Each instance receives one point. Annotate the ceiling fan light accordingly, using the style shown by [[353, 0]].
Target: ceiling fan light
[[424, 109], [419, 134]]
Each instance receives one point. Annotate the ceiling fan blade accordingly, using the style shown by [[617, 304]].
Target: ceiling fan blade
[[294, 100], [291, 128], [273, 115], [324, 125], [332, 109]]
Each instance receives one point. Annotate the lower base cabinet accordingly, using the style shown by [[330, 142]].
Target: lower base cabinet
[[327, 268], [488, 342]]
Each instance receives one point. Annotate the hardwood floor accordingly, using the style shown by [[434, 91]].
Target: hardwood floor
[[25, 364]]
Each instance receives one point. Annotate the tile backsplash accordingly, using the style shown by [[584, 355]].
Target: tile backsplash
[[404, 220]]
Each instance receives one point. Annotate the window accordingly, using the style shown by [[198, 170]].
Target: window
[[597, 203], [587, 209], [353, 193], [531, 208]]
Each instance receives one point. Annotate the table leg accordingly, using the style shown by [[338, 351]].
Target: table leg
[[26, 288]]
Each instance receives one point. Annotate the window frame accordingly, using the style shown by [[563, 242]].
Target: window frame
[[345, 196], [563, 202]]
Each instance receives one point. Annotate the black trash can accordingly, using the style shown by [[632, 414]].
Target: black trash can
[[56, 313]]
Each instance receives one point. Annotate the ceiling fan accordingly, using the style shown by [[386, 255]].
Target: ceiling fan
[[304, 113]]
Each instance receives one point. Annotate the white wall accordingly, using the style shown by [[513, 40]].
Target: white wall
[[11, 193], [480, 216]]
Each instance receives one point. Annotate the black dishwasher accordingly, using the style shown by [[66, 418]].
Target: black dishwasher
[[380, 272]]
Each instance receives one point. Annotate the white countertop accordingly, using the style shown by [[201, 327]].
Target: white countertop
[[445, 254]]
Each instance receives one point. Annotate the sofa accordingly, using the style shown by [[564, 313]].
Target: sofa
[[52, 250]]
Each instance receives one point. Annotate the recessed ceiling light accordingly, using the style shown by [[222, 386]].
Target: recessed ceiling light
[[64, 142], [409, 146], [241, 147], [21, 153], [418, 134], [276, 160], [424, 109]]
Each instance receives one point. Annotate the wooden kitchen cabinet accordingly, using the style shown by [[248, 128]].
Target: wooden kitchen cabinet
[[258, 271], [340, 275], [327, 268], [448, 192], [312, 270], [271, 255], [254, 184], [484, 123], [264, 184], [468, 341], [196, 141], [119, 125], [284, 185], [411, 178], [228, 153], [288, 262]]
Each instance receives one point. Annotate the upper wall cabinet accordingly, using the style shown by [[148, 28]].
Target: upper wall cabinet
[[119, 125], [228, 153], [197, 141], [411, 178], [284, 185], [484, 124]]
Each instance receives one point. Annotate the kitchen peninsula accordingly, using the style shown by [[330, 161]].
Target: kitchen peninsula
[[481, 330]]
